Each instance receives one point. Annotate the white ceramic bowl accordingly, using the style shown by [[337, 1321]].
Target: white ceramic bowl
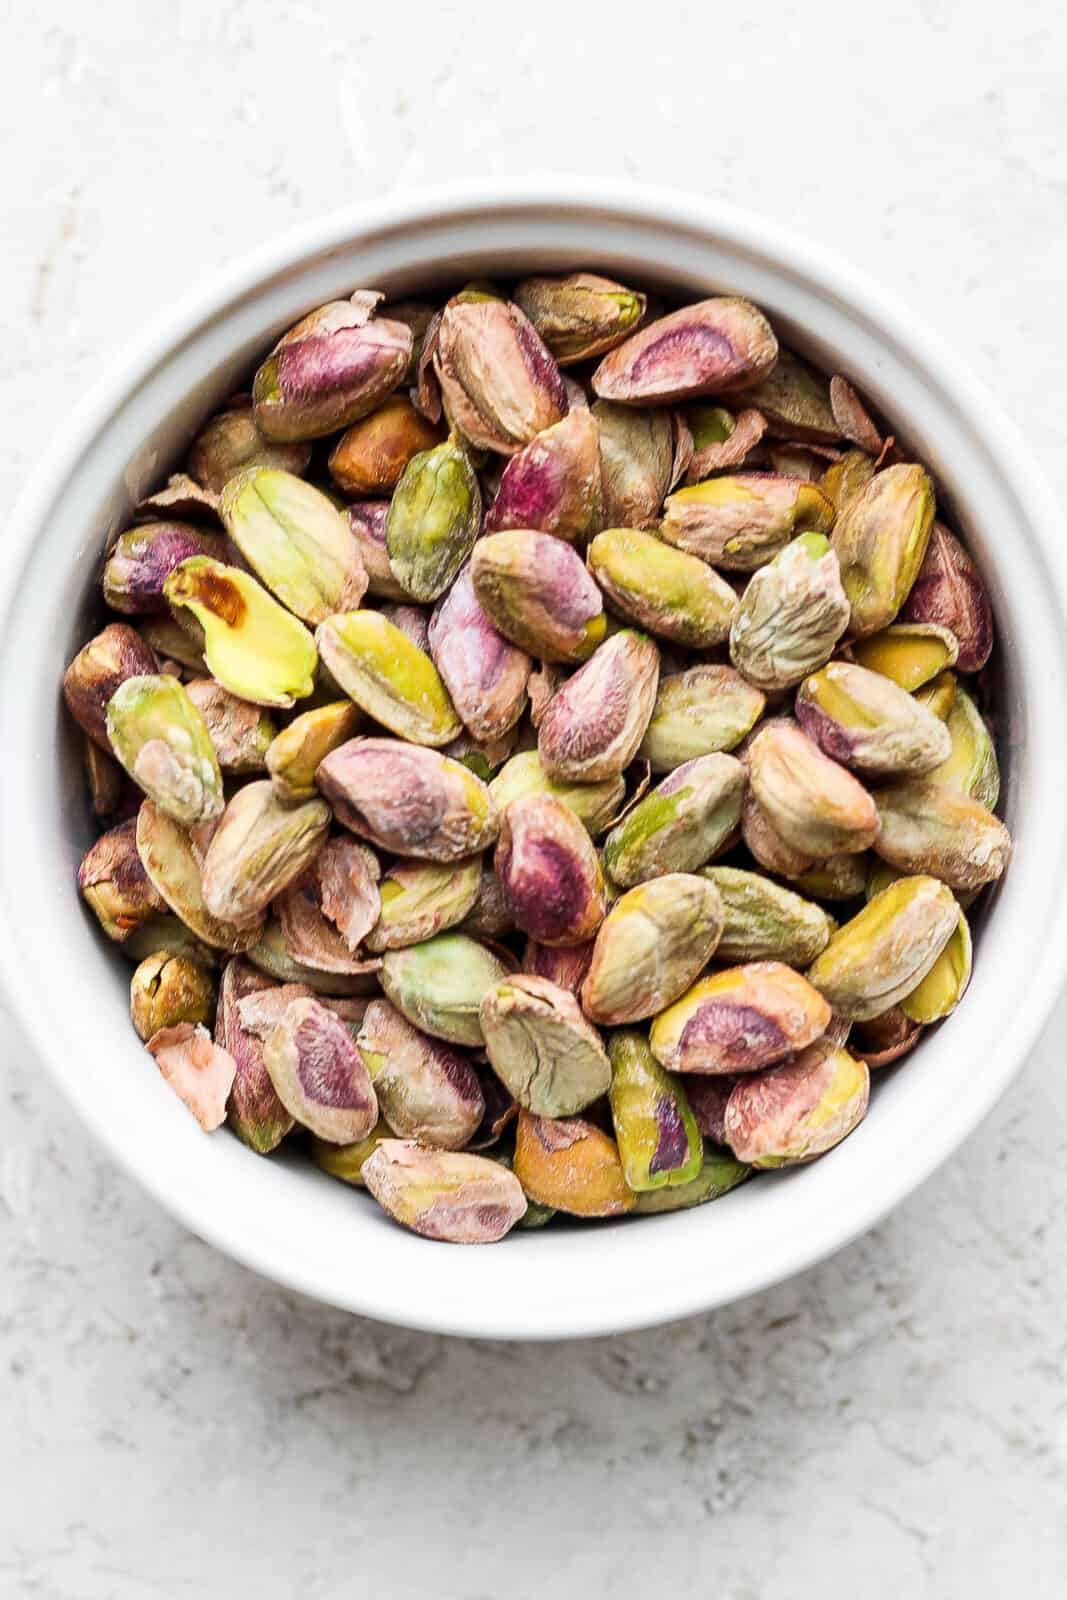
[[281, 1216]]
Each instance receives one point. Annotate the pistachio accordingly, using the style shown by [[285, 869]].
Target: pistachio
[[971, 766], [166, 990], [684, 822], [885, 951], [742, 520], [484, 673], [433, 520], [104, 779], [482, 757], [581, 315], [880, 540], [593, 727], [885, 1038], [393, 681], [707, 1095], [564, 965], [297, 542], [548, 871], [367, 523], [847, 477], [270, 954], [944, 986], [929, 828], [421, 898], [425, 1090], [553, 484], [706, 708], [657, 1135], [813, 804], [231, 441], [714, 347], [739, 1020], [636, 463], [240, 733], [115, 886], [795, 400], [439, 985], [569, 1164], [318, 1073], [949, 592], [141, 559], [258, 849], [330, 943], [346, 1161], [595, 804], [799, 1110], [911, 653], [293, 757], [162, 740], [200, 1073], [541, 1047], [254, 1111], [939, 694], [488, 917], [329, 370], [252, 645], [791, 615], [444, 1194], [838, 877], [651, 946], [766, 845], [535, 590], [852, 418], [868, 722], [765, 922], [407, 800], [98, 670], [371, 455], [677, 596], [499, 384], [179, 647], [721, 441], [719, 1174]]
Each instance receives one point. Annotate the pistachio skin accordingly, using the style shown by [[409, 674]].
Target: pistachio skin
[[739, 1020], [407, 800], [797, 1111], [659, 1142], [329, 370], [880, 540], [716, 346], [98, 670], [795, 402], [499, 384], [541, 1047], [885, 951], [949, 591], [200, 1072], [681, 824], [548, 871], [240, 733], [444, 1194], [536, 592], [650, 947], [141, 559], [671, 594], [594, 725], [367, 522]]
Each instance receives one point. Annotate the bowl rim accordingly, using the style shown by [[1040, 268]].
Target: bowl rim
[[620, 202]]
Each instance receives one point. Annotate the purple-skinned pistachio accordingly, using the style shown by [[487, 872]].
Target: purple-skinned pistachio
[[425, 1089], [253, 1111], [318, 1073], [536, 591], [329, 370], [444, 1194], [142, 558], [549, 872], [541, 1046], [564, 965], [659, 1142], [114, 884], [716, 346], [553, 484], [637, 450], [739, 1020], [499, 384], [950, 593], [368, 520], [229, 442], [200, 1072], [371, 455], [408, 800], [798, 1110], [484, 673], [742, 520], [582, 315], [99, 668], [594, 725]]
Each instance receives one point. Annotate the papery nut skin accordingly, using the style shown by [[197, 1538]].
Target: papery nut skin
[[200, 1072], [795, 400], [253, 1111]]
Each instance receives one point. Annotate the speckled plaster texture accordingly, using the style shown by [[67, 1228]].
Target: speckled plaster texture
[[892, 1422]]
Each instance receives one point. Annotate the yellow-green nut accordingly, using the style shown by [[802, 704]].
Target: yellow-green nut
[[318, 1073], [911, 653], [636, 463], [548, 871], [595, 804], [739, 1020], [241, 733], [166, 990], [683, 823], [847, 477], [868, 722], [697, 712], [651, 945], [434, 519], [346, 1161], [708, 424], [795, 400], [295, 540], [542, 1048], [580, 315], [536, 592], [444, 1194], [659, 1142], [258, 848], [293, 757], [812, 803], [929, 828], [791, 615], [971, 766], [939, 694], [885, 951], [880, 539], [674, 595], [569, 1164], [388, 676], [741, 520], [798, 1111], [840, 877], [173, 866], [407, 800], [163, 742], [593, 726], [252, 645], [944, 986], [720, 1173], [425, 1090], [439, 985], [421, 898], [765, 922]]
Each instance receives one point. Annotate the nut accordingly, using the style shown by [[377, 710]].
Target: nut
[[252, 645], [393, 681], [166, 990], [971, 766], [231, 441], [367, 522], [421, 898], [296, 541], [812, 803], [172, 864], [114, 884], [553, 484], [835, 878], [444, 1194], [425, 1090], [485, 675], [885, 1038], [880, 540], [346, 1161], [98, 670], [143, 557], [570, 1165], [293, 757], [329, 370], [885, 951], [869, 723], [719, 1174], [673, 595], [949, 592], [595, 804], [328, 910], [594, 725], [162, 740], [651, 946], [697, 712], [541, 1047], [499, 384], [548, 871], [683, 823], [765, 922], [739, 1020], [939, 694], [742, 520], [929, 828], [240, 733], [791, 615], [636, 463], [439, 985], [407, 800], [657, 1135], [911, 653], [564, 965], [714, 347], [254, 1112], [581, 315], [257, 849], [944, 986], [434, 518], [371, 455], [318, 1073], [707, 1096], [795, 400], [847, 477], [799, 1110], [200, 1072], [535, 590], [270, 954]]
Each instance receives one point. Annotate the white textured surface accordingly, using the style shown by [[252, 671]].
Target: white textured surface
[[895, 1418]]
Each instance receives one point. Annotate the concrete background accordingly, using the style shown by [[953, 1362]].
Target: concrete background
[[894, 1420]]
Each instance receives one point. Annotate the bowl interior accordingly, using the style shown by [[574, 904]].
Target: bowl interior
[[281, 1216]]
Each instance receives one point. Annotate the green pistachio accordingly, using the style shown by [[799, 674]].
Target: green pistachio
[[434, 519], [697, 712], [684, 822], [791, 615], [869, 723], [650, 947], [765, 922], [659, 1142], [296, 540], [393, 681], [258, 848], [595, 804], [880, 540], [293, 757], [674, 595], [885, 951], [742, 520], [541, 1047], [421, 898], [440, 983], [971, 766]]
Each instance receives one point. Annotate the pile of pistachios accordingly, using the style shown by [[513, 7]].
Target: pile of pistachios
[[540, 753]]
